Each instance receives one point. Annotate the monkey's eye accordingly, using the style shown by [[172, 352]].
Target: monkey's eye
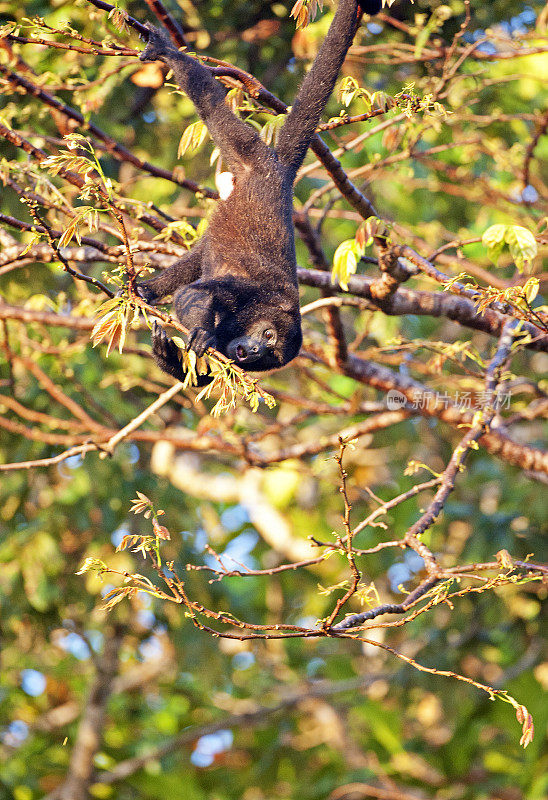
[[270, 335]]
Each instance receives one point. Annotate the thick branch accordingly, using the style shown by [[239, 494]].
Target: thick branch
[[175, 30], [495, 442], [435, 304]]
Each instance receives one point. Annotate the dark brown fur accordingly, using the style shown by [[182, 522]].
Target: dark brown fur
[[236, 290]]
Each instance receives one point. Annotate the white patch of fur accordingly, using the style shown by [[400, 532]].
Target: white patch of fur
[[225, 184]]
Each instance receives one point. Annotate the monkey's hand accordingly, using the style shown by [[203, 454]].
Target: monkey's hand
[[147, 293], [159, 45], [168, 357], [199, 340]]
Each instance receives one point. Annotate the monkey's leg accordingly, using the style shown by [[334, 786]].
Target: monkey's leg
[[166, 353], [184, 271], [240, 144], [299, 128]]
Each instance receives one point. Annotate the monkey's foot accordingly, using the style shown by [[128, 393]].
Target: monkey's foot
[[199, 340], [159, 45], [370, 7], [166, 353]]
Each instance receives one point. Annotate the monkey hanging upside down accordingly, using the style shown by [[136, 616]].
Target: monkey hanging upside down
[[236, 289]]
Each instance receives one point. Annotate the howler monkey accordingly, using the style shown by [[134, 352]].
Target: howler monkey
[[236, 289]]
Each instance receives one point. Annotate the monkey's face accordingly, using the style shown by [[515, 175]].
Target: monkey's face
[[266, 344]]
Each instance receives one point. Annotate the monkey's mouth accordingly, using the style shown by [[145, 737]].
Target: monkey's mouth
[[241, 353]]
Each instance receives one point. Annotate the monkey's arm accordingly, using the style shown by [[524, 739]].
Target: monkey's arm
[[312, 98], [238, 142], [184, 271], [195, 308]]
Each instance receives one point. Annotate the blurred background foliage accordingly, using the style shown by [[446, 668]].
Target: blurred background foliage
[[353, 715]]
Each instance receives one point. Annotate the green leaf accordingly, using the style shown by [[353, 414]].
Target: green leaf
[[345, 262], [348, 89], [522, 244], [193, 136], [493, 240], [531, 289]]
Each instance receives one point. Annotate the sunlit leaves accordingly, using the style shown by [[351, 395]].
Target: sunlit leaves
[[119, 18], [345, 262], [432, 107], [228, 381], [231, 384], [505, 559], [92, 565], [407, 101], [347, 90], [116, 315], [524, 718], [81, 158], [144, 544], [7, 28], [349, 252], [116, 596], [531, 289], [160, 531], [493, 240], [528, 728], [368, 230], [193, 137], [236, 100], [304, 12], [34, 238], [85, 215], [142, 504], [350, 90], [269, 132], [380, 99], [65, 160], [181, 228], [135, 543], [518, 297], [368, 594], [520, 242]]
